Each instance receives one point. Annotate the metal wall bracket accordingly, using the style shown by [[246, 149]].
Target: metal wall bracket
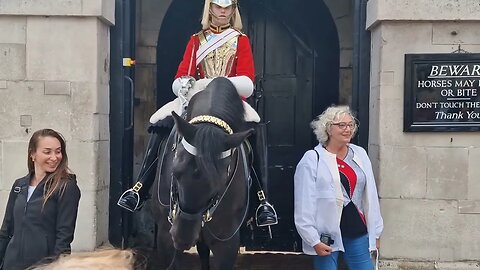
[[460, 50]]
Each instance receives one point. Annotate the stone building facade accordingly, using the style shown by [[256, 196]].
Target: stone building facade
[[428, 182], [54, 73]]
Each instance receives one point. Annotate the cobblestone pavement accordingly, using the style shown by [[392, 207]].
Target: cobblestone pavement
[[257, 261], [262, 261]]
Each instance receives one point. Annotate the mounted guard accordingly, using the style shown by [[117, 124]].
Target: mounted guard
[[220, 49]]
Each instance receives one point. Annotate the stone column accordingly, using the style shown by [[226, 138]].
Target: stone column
[[55, 57], [429, 182]]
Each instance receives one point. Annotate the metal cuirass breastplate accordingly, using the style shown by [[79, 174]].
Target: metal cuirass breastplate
[[220, 61]]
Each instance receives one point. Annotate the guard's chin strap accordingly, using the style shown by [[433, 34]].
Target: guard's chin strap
[[193, 150]]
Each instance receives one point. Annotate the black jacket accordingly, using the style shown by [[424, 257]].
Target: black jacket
[[30, 234]]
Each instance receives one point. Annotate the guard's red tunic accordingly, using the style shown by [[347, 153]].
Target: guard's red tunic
[[242, 65]]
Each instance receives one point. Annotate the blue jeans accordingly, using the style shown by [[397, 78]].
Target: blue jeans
[[357, 256]]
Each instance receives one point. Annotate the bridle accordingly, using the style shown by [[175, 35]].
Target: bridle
[[205, 214]]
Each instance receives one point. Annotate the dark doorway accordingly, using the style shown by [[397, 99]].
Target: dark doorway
[[297, 64], [296, 54]]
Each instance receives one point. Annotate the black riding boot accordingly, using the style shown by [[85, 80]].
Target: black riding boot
[[265, 213], [133, 198]]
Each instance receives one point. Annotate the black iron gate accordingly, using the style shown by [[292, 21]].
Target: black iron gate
[[122, 44]]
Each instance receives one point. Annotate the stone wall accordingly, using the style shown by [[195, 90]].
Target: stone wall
[[428, 182], [343, 14], [55, 57], [149, 20]]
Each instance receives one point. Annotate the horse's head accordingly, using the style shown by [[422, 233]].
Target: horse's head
[[200, 173]]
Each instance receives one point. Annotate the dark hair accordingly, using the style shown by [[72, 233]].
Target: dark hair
[[56, 180]]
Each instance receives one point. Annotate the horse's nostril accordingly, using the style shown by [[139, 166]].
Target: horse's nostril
[[182, 246]]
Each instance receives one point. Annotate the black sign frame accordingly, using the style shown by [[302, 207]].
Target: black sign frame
[[415, 65]]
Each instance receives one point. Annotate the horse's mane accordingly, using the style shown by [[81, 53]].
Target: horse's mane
[[220, 99]]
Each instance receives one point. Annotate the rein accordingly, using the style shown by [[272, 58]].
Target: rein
[[206, 213], [245, 168], [160, 166]]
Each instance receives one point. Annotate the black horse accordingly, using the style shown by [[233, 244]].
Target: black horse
[[200, 195]]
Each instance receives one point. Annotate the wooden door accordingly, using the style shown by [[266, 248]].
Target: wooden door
[[284, 69]]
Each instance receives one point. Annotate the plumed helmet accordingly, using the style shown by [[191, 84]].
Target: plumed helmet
[[235, 21], [224, 3]]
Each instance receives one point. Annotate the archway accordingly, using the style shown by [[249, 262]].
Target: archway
[[296, 55]]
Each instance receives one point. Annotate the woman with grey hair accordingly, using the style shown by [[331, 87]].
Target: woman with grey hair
[[336, 201]]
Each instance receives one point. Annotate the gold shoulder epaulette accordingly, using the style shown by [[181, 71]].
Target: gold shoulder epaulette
[[240, 31]]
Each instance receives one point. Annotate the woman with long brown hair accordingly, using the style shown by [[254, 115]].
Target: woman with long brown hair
[[42, 207]]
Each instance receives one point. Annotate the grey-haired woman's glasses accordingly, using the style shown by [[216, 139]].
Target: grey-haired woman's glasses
[[343, 125]]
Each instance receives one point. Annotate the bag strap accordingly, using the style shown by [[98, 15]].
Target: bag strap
[[16, 191], [318, 160]]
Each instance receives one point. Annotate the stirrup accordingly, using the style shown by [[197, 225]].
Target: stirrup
[[132, 192], [271, 210], [126, 206], [261, 196]]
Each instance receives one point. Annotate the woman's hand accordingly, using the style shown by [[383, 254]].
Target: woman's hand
[[377, 242], [322, 250]]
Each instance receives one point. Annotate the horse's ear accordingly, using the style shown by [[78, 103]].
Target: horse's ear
[[236, 139], [184, 128]]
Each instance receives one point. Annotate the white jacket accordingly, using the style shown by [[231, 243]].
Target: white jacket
[[319, 199]]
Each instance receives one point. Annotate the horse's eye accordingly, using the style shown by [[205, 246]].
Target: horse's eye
[[196, 173]]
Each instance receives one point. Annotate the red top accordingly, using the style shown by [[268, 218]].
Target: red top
[[242, 65], [351, 177]]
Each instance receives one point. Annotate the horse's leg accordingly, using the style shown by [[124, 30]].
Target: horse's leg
[[225, 253], [204, 254], [168, 256]]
